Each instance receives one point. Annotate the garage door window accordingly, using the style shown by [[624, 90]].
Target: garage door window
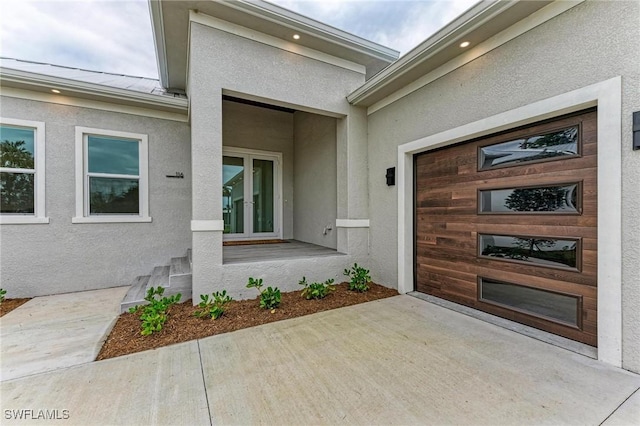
[[554, 199], [557, 145], [557, 307], [539, 251]]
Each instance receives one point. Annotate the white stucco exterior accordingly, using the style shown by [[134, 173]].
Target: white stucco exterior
[[335, 155]]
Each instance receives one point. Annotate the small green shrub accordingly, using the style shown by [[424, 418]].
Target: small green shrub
[[2, 293], [359, 278], [316, 290], [154, 315], [214, 307], [269, 298]]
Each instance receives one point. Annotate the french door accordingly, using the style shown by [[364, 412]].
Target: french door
[[250, 194]]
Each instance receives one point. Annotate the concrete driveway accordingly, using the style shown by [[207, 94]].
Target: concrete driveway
[[394, 361]]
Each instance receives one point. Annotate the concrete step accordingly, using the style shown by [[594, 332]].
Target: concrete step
[[159, 277], [180, 284], [180, 266], [174, 278], [135, 295]]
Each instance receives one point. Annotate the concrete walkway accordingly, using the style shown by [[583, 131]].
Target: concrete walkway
[[394, 361], [52, 332]]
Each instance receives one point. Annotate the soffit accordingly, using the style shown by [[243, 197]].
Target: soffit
[[479, 23], [170, 21]]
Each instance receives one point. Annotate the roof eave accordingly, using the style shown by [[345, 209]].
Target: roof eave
[[290, 19], [44, 83], [157, 27], [450, 35]]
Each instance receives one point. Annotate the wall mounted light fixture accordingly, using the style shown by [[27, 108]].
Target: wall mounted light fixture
[[636, 130], [391, 176]]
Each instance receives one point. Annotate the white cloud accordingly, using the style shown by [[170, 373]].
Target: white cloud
[[115, 35]]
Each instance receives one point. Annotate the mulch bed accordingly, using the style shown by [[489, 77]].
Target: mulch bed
[[182, 325], [10, 304]]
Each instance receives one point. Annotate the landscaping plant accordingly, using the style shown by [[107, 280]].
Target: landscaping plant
[[316, 290], [359, 278], [154, 315], [269, 298], [2, 293], [214, 307]]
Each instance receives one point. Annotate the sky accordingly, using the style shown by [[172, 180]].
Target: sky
[[115, 35]]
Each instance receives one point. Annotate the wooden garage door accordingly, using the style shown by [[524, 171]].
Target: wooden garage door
[[507, 224]]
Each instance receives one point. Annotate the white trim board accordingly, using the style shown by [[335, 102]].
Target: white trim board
[[607, 96], [278, 43], [207, 225], [538, 18], [352, 223]]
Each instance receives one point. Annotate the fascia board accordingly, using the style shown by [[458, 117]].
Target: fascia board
[[111, 93], [325, 32], [157, 26], [465, 23]]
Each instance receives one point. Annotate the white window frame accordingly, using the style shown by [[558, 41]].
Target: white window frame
[[278, 210], [82, 177], [39, 203]]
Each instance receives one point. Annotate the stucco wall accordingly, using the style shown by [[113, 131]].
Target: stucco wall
[[315, 171], [63, 257], [252, 127], [220, 61], [591, 42], [235, 63]]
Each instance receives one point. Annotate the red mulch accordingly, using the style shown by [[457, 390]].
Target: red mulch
[[182, 325]]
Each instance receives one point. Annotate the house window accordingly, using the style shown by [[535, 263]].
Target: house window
[[111, 176], [22, 162]]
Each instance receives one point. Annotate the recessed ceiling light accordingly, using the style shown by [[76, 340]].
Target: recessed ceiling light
[[464, 44], [296, 37], [55, 90]]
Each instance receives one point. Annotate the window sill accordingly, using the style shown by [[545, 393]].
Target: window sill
[[23, 220], [111, 219]]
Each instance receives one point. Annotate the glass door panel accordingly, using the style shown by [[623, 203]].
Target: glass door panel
[[263, 196], [233, 201], [250, 194]]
